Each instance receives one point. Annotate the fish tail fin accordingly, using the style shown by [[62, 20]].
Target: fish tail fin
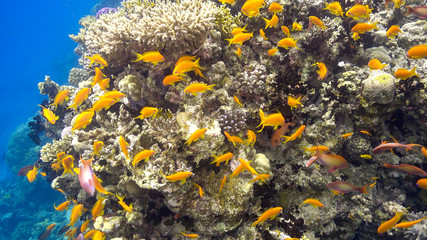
[[139, 57], [229, 41], [262, 116], [387, 165], [413, 73], [326, 6], [267, 22], [68, 171], [298, 100], [364, 189], [305, 148], [383, 65], [374, 26], [92, 60], [215, 159], [160, 171], [255, 223], [287, 138], [410, 10], [211, 86]]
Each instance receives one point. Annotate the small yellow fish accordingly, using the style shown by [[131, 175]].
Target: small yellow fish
[[286, 31], [275, 120], [355, 36], [296, 27], [390, 223], [393, 31], [272, 22], [238, 30], [397, 3], [312, 202], [237, 101], [96, 58], [314, 149], [80, 97], [288, 43], [263, 34], [261, 177], [346, 135], [359, 12], [201, 192], [417, 52], [334, 8], [247, 166], [76, 212], [147, 112], [142, 155], [239, 38], [196, 88], [295, 135], [238, 51], [60, 97], [126, 207], [98, 76], [196, 135], [361, 28], [322, 70], [272, 51], [404, 74], [123, 145], [375, 64], [32, 174], [186, 64], [275, 7], [294, 102], [171, 80], [49, 115], [152, 56], [269, 214], [179, 176], [366, 132], [104, 84], [316, 21], [224, 180], [223, 158], [97, 147], [233, 139], [63, 206], [102, 103], [82, 120], [68, 164], [251, 138], [366, 156], [409, 224], [251, 7], [193, 235]]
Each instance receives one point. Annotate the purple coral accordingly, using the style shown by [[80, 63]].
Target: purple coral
[[105, 10]]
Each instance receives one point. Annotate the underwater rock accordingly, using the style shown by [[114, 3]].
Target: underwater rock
[[131, 86], [78, 75], [379, 87]]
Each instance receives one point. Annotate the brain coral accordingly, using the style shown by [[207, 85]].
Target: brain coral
[[139, 26]]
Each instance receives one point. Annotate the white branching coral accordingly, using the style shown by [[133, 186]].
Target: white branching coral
[[138, 26]]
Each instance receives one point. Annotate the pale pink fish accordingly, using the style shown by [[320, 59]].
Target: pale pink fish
[[86, 176], [408, 168], [383, 147], [333, 162], [345, 187]]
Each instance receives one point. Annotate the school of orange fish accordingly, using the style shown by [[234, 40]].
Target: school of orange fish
[[90, 182]]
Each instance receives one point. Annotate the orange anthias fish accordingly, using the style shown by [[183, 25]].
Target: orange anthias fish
[[171, 80], [393, 31], [196, 88], [247, 166], [404, 74], [408, 169], [97, 147], [296, 27], [261, 177], [104, 84], [295, 135], [238, 30], [272, 22], [275, 120], [397, 3], [49, 115], [417, 52], [190, 235], [147, 112], [251, 138], [103, 103], [390, 223], [272, 51], [276, 138], [179, 176], [275, 7], [359, 12], [286, 31], [123, 145], [238, 52], [333, 162], [142, 155], [98, 77], [322, 70], [196, 135], [224, 180], [60, 97], [126, 207], [82, 120], [63, 206], [45, 235], [361, 28], [239, 38], [152, 56], [32, 174], [98, 208], [96, 58], [80, 97], [294, 102], [113, 94], [223, 158], [237, 101], [422, 183], [375, 64], [263, 34], [335, 8], [68, 164], [251, 7], [313, 202], [314, 148], [233, 139], [409, 224], [185, 64], [269, 214], [316, 21], [98, 185], [76, 212], [201, 192], [345, 187], [288, 43]]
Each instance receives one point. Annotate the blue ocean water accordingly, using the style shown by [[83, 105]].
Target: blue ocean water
[[35, 43]]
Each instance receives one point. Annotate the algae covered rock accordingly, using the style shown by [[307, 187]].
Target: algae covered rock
[[380, 88]]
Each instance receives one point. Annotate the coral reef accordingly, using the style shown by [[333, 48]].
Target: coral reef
[[350, 109]]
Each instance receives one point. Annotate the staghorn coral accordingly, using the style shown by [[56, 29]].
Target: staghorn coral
[[138, 26]]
